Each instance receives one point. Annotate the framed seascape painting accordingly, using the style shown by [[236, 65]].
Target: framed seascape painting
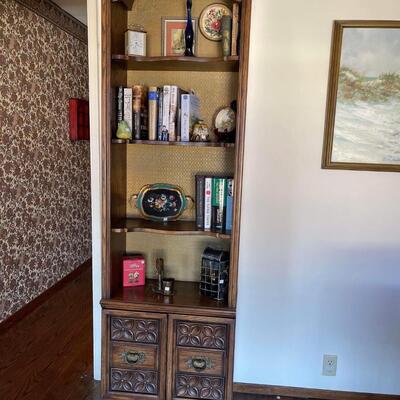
[[362, 127], [173, 36]]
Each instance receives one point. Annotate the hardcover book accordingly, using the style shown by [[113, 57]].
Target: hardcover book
[[207, 203], [173, 113], [160, 103], [128, 107], [137, 106], [218, 204], [179, 115], [226, 29], [166, 110], [153, 113], [235, 29], [200, 189], [229, 204], [120, 104], [190, 115]]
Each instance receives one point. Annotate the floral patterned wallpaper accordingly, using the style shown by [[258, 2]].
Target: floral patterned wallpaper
[[44, 178]]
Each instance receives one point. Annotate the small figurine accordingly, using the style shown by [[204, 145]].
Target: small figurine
[[201, 133], [123, 131]]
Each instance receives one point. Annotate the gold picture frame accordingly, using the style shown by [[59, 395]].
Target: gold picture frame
[[361, 89]]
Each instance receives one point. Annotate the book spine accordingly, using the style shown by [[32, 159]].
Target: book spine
[[229, 205], [226, 30], [144, 115], [166, 109], [160, 113], [128, 107], [137, 106], [207, 203], [153, 113], [178, 118], [120, 104], [214, 202], [218, 204], [172, 113], [235, 29], [200, 192], [185, 118]]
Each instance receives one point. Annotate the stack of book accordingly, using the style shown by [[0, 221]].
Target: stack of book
[[214, 203], [165, 113]]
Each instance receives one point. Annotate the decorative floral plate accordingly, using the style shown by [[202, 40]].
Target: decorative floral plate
[[210, 20], [161, 202]]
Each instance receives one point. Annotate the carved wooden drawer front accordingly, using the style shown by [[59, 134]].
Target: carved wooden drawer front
[[135, 330], [196, 334], [134, 356], [200, 361], [200, 355], [141, 382], [199, 387]]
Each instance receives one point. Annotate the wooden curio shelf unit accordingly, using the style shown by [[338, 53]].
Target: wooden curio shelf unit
[[155, 346]]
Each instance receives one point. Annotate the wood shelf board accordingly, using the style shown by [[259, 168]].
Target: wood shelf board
[[169, 228], [186, 300], [161, 143], [162, 63]]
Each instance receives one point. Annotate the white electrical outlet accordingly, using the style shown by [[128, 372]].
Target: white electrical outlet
[[329, 367]]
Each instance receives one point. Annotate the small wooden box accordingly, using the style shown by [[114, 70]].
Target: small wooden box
[[135, 43], [134, 271]]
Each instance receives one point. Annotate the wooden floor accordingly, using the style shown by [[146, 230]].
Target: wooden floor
[[48, 354]]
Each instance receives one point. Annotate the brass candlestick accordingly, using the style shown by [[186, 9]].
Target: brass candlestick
[[160, 273]]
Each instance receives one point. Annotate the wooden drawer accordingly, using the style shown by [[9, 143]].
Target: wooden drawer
[[134, 355], [204, 362], [138, 330], [140, 382], [138, 356], [199, 387], [200, 357], [198, 334]]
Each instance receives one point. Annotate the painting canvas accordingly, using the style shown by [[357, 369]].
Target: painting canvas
[[363, 112], [173, 33]]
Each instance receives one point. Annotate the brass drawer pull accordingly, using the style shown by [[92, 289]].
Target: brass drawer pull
[[200, 363], [133, 357]]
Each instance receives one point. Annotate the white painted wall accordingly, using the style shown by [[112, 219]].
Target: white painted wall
[[94, 36], [320, 250]]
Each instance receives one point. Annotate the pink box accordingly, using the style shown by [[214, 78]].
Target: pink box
[[134, 271]]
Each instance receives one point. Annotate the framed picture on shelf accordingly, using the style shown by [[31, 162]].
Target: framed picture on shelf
[[362, 116], [173, 36]]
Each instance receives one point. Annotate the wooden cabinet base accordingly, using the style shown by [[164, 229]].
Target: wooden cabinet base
[[138, 365]]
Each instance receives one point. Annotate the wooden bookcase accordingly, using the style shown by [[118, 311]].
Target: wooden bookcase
[[150, 341]]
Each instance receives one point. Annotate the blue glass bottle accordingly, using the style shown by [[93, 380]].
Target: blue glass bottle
[[189, 32]]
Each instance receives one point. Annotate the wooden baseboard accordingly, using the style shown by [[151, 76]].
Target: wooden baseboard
[[302, 393], [35, 303]]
